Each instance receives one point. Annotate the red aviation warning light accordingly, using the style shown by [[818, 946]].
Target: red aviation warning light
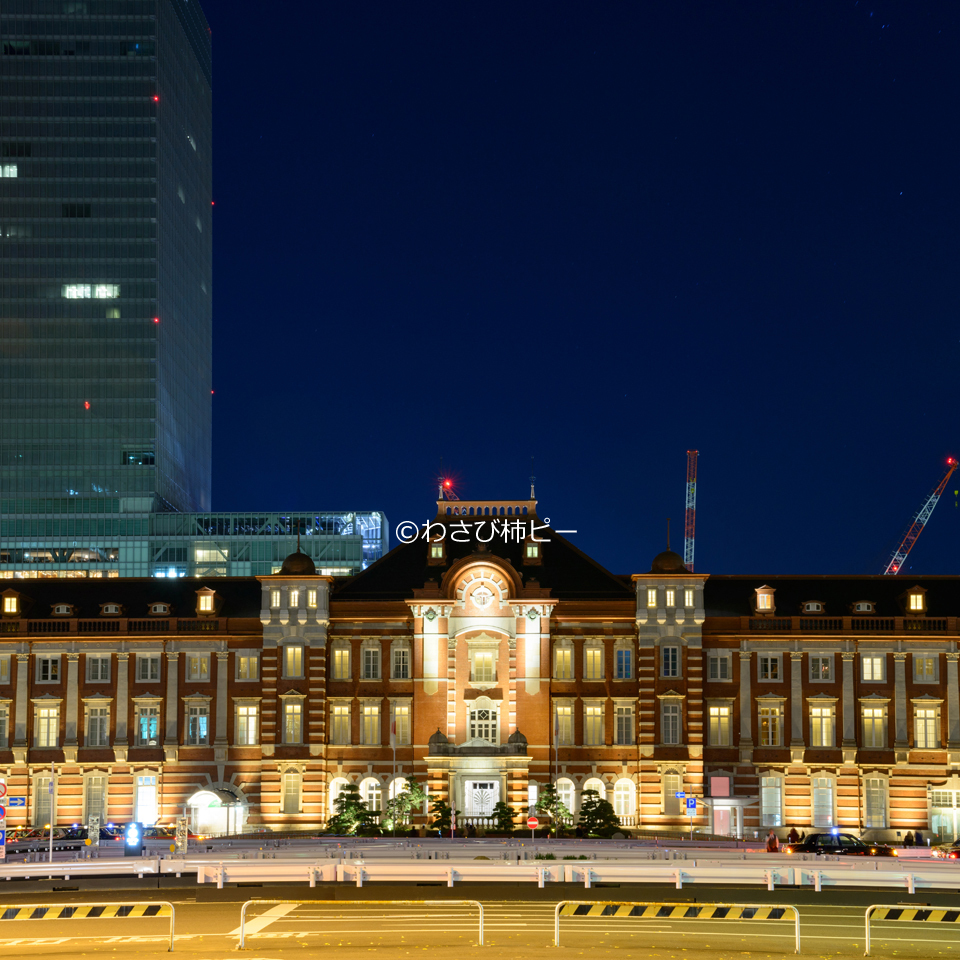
[[895, 563], [86, 404], [156, 319], [156, 99]]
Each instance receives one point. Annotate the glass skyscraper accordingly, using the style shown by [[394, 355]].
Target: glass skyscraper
[[105, 265]]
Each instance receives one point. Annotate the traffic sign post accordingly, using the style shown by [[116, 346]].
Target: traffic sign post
[[3, 820], [532, 823], [692, 811]]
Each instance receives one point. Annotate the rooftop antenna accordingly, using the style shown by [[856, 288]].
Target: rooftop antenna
[[533, 480]]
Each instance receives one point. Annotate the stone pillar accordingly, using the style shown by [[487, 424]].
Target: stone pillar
[[849, 742], [121, 743], [796, 707], [20, 719], [171, 708], [220, 741], [70, 743], [746, 709], [953, 710], [900, 744]]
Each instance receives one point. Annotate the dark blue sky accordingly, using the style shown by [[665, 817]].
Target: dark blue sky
[[598, 234]]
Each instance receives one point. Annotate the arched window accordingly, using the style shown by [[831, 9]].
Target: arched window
[[371, 791], [397, 786], [623, 798], [594, 784], [565, 790], [336, 787]]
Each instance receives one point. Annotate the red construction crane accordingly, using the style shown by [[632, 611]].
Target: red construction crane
[[919, 522], [690, 517]]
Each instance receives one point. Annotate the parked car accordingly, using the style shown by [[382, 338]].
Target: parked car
[[947, 851], [839, 844]]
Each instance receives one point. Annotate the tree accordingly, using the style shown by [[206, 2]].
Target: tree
[[397, 810], [351, 813], [442, 812], [596, 815], [504, 814], [549, 802]]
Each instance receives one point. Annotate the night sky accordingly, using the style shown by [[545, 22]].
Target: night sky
[[598, 234]]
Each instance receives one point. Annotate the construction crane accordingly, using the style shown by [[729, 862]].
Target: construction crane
[[895, 563], [690, 517]]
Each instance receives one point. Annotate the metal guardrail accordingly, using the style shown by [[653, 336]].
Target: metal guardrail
[[341, 903], [673, 911], [90, 911], [912, 914]]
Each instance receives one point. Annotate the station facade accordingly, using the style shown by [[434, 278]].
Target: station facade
[[487, 658]]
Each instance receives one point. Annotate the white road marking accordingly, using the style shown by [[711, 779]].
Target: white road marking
[[258, 923]]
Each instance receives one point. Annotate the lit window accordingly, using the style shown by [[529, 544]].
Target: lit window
[[98, 722], [484, 667], [864, 607], [593, 725], [624, 660], [274, 599], [671, 597], [10, 605], [593, 663], [111, 608], [370, 667], [719, 726], [291, 792], [198, 724], [688, 597], [146, 812], [148, 725], [370, 728], [669, 661], [916, 602], [764, 600], [926, 728], [821, 668], [292, 722], [5, 668], [771, 792], [401, 723], [294, 599], [160, 608], [340, 723], [872, 668], [563, 663], [86, 291], [822, 789], [564, 726], [198, 666], [312, 599], [63, 610], [924, 669], [770, 723], [875, 796], [401, 663], [48, 726], [651, 598], [8, 170], [247, 666], [769, 667], [293, 660], [670, 723], [206, 603], [812, 607], [822, 722], [875, 727], [436, 551], [533, 550], [341, 663], [482, 724]]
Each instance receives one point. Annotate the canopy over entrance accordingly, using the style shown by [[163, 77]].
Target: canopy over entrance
[[216, 812]]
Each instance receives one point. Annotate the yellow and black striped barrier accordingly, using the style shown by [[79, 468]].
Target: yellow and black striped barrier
[[88, 911], [880, 911], [674, 911]]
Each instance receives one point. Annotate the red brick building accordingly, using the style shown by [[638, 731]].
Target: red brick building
[[487, 657]]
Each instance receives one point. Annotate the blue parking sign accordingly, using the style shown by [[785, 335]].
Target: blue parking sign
[[691, 803]]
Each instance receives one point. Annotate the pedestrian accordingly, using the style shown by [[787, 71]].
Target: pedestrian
[[803, 835], [918, 839], [773, 842], [908, 839], [793, 836]]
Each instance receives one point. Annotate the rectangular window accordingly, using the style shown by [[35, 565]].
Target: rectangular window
[[822, 726], [98, 723], [370, 728], [764, 601], [875, 803], [340, 723], [672, 804], [671, 597], [198, 723], [771, 802], [247, 728], [8, 169], [562, 663], [768, 667], [198, 666], [98, 669], [42, 801], [719, 732], [924, 668], [291, 792], [248, 666], [563, 726], [916, 602], [822, 788], [669, 661], [624, 660], [625, 725], [483, 724], [148, 668], [401, 723], [5, 669], [770, 723], [874, 728], [533, 550], [341, 663], [48, 726], [293, 660], [274, 599], [670, 723], [401, 663], [484, 667], [821, 668], [148, 725], [146, 801], [436, 551], [593, 725], [292, 722], [719, 667], [688, 597], [95, 798], [593, 663], [4, 725], [370, 667], [312, 599], [293, 601], [651, 598], [872, 668], [926, 728], [48, 669], [9, 604], [206, 603]]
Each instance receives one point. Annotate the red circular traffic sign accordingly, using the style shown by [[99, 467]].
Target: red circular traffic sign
[[3, 788], [533, 823], [3, 813]]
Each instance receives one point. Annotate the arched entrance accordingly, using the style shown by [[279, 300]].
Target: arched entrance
[[217, 812]]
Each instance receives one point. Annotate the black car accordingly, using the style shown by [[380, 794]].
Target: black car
[[839, 844]]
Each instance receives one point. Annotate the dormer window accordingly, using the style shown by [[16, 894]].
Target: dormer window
[[533, 550], [437, 553], [205, 603], [915, 602], [813, 606], [763, 601], [110, 609], [62, 610], [159, 609], [863, 606], [11, 604]]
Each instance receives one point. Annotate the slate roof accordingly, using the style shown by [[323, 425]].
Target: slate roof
[[565, 570], [241, 595], [732, 596]]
